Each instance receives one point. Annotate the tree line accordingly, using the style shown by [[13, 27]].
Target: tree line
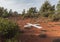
[[5, 13], [46, 10]]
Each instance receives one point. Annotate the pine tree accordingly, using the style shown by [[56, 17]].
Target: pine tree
[[23, 12], [47, 9], [15, 13], [10, 12], [31, 12], [1, 11], [5, 13], [58, 7]]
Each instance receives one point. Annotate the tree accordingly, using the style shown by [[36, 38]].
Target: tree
[[10, 12], [31, 12], [15, 13], [5, 13], [1, 11], [58, 7], [8, 29], [47, 9], [23, 13]]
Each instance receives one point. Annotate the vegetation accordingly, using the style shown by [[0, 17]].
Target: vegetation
[[58, 8], [5, 14], [31, 13], [8, 29], [55, 17], [47, 9]]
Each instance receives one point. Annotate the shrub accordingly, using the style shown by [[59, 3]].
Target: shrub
[[56, 17], [8, 29]]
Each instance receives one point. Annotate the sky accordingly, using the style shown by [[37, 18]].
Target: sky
[[19, 5]]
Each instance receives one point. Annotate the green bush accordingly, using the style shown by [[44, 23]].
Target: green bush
[[55, 17], [8, 29]]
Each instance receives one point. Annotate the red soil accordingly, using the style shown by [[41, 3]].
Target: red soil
[[52, 30]]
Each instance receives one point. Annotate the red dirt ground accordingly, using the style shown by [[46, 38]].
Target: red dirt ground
[[52, 30]]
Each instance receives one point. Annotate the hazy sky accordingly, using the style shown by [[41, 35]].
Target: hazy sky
[[19, 5]]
